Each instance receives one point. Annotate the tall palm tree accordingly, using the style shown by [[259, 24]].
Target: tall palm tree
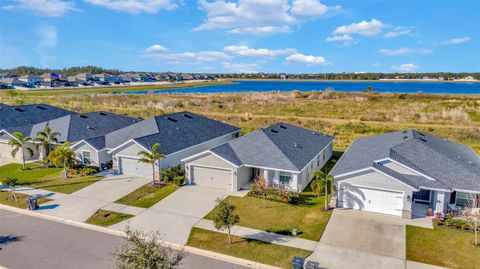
[[62, 156], [151, 157], [46, 138], [321, 181], [19, 142]]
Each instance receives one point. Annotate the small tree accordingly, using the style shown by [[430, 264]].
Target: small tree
[[261, 187], [321, 181], [143, 250], [11, 182], [151, 157], [63, 156], [19, 142], [225, 218], [46, 138], [471, 214]]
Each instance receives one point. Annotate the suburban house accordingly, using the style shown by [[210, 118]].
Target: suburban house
[[406, 173], [50, 77], [23, 119], [285, 155], [107, 78], [14, 83], [32, 80], [85, 76], [180, 135]]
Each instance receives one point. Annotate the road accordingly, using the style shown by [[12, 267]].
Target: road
[[30, 242]]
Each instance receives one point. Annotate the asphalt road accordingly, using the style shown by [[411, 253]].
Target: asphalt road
[[27, 242]]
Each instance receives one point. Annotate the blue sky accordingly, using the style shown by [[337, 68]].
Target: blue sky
[[243, 36]]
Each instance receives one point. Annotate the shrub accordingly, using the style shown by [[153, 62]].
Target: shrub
[[88, 170], [84, 170], [179, 180], [275, 194], [169, 173]]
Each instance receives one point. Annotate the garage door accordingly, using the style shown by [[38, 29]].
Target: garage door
[[381, 201], [212, 177], [130, 166]]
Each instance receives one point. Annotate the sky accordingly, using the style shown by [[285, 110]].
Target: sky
[[297, 36]]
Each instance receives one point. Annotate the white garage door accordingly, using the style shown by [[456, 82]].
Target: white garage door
[[130, 166], [212, 177], [381, 201]]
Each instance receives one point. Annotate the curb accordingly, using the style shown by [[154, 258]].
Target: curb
[[193, 250]]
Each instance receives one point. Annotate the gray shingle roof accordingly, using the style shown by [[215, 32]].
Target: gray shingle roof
[[14, 116], [280, 146], [451, 165], [174, 132]]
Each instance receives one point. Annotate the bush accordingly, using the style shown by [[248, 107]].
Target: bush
[[179, 180], [83, 170], [87, 171], [169, 173], [275, 194]]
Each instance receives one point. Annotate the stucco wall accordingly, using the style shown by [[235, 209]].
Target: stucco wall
[[94, 158], [244, 176]]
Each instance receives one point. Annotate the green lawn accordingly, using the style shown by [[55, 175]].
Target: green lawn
[[278, 217], [442, 246], [147, 195], [21, 200], [254, 250], [45, 178], [106, 218]]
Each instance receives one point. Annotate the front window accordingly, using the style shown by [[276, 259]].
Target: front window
[[86, 157], [462, 198], [285, 177]]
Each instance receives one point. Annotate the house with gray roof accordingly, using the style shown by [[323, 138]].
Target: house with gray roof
[[180, 135], [284, 155], [406, 173]]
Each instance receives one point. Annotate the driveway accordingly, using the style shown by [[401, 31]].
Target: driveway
[[174, 216], [358, 239], [82, 204]]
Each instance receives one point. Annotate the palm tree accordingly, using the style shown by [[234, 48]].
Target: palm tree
[[19, 142], [321, 181], [11, 182], [46, 138], [151, 157], [62, 156]]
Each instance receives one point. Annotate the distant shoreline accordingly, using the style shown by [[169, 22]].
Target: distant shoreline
[[347, 80]]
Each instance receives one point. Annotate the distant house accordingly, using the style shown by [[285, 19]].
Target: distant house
[[14, 83], [284, 155], [85, 76], [32, 80], [49, 77], [6, 75], [108, 78]]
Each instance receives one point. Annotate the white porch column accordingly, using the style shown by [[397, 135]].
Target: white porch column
[[295, 182]]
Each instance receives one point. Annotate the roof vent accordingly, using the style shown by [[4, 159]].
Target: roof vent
[[423, 140], [91, 127], [187, 116], [171, 119], [405, 132], [19, 109], [422, 134], [283, 127], [405, 137], [297, 145], [41, 108], [102, 113], [274, 131], [83, 116]]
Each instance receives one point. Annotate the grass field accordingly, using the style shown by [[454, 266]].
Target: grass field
[[345, 115], [254, 250], [107, 218], [147, 195], [45, 178], [442, 246], [21, 201]]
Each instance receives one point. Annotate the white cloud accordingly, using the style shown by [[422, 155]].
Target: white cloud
[[364, 28], [405, 51], [47, 38], [344, 37], [398, 31], [310, 8], [240, 67], [263, 30], [135, 6], [258, 16], [49, 8], [189, 57], [406, 67], [250, 52], [156, 48], [457, 40], [306, 59]]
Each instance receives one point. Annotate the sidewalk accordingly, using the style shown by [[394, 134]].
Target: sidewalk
[[277, 239]]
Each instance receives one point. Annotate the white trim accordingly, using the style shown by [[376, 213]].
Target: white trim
[[274, 169], [467, 191], [126, 143], [353, 172], [196, 145], [83, 158], [376, 188], [76, 144], [128, 157], [415, 189], [206, 152], [8, 133], [434, 189], [407, 167]]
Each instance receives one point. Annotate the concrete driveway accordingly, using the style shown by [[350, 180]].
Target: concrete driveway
[[358, 239], [174, 216], [82, 204]]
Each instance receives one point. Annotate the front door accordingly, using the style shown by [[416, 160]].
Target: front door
[[422, 196]]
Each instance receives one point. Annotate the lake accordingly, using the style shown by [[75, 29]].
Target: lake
[[338, 86]]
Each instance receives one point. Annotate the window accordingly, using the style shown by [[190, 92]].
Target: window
[[86, 157], [462, 198], [285, 177]]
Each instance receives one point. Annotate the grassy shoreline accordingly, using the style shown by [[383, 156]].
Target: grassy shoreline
[[342, 80]]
